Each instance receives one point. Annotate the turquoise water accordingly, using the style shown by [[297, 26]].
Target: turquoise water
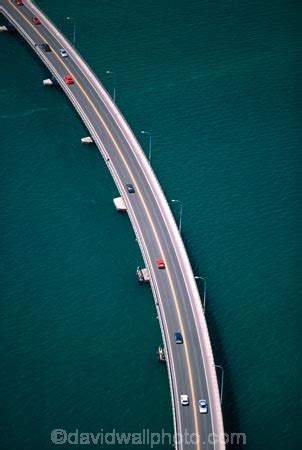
[[217, 85]]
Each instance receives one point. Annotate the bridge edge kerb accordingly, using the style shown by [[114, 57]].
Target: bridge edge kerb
[[127, 129]]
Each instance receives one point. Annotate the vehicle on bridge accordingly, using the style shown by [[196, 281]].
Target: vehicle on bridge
[[184, 400], [130, 188], [45, 47], [63, 53], [19, 2], [203, 406], [36, 20], [178, 338], [68, 79], [160, 263]]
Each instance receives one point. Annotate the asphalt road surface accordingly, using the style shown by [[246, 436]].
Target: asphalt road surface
[[190, 365]]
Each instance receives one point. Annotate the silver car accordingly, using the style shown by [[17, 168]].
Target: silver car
[[63, 53], [203, 407], [184, 399]]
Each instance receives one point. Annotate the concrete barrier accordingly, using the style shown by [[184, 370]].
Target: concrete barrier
[[167, 217]]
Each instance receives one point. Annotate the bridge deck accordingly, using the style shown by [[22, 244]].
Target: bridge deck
[[190, 365]]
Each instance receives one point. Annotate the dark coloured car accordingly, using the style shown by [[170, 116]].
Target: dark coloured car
[[130, 188], [178, 338], [45, 47], [36, 20], [19, 2]]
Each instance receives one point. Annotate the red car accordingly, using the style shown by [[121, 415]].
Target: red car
[[36, 20], [19, 2], [160, 263], [68, 79]]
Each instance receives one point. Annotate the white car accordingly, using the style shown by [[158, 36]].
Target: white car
[[203, 407], [184, 400], [63, 53]]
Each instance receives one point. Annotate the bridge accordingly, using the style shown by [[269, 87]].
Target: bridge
[[190, 365]]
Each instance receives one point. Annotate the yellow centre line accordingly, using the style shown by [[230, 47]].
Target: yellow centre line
[[194, 403]]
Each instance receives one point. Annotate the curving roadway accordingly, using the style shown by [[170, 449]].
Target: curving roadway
[[190, 365]]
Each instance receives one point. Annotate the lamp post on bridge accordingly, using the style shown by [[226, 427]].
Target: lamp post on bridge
[[222, 378], [150, 143], [204, 291], [180, 214], [74, 28], [114, 82]]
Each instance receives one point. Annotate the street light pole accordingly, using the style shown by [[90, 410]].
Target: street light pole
[[222, 378], [180, 214], [114, 82], [74, 28], [204, 291], [150, 142]]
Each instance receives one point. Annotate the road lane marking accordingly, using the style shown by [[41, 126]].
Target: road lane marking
[[194, 405]]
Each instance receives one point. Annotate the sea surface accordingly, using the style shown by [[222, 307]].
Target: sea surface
[[218, 84]]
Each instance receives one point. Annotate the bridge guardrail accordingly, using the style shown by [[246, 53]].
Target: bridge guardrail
[[170, 223]]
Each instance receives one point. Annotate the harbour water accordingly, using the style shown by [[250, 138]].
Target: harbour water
[[216, 83]]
